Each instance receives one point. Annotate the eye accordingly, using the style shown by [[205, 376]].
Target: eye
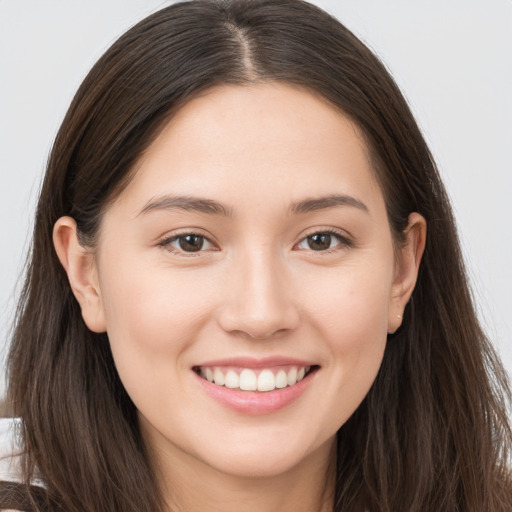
[[187, 243], [324, 241]]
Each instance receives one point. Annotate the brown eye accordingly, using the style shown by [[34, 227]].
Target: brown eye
[[191, 243], [319, 241], [187, 243], [324, 241]]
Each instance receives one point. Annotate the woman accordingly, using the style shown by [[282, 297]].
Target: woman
[[246, 290]]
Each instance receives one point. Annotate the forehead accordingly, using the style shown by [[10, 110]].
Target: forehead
[[249, 140]]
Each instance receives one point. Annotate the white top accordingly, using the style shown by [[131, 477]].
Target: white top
[[11, 451]]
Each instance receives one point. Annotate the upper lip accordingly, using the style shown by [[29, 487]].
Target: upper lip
[[252, 362]]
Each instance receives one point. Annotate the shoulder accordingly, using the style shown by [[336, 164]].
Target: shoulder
[[13, 491], [11, 452]]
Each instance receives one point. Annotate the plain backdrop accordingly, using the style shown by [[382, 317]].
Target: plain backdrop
[[452, 59]]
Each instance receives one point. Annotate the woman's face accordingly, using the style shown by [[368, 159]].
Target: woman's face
[[252, 247]]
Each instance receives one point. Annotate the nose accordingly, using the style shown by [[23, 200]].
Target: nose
[[259, 299]]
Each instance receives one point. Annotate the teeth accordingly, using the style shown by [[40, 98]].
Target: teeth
[[232, 380], [266, 381], [218, 377], [248, 380], [281, 379], [292, 377]]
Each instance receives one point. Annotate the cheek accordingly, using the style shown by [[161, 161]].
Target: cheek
[[351, 303], [152, 316], [351, 317]]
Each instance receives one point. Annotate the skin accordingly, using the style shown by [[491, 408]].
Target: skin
[[257, 288]]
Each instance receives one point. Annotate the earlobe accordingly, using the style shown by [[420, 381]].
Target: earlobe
[[80, 267], [407, 267]]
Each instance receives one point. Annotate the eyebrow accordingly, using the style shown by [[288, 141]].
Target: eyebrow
[[187, 203], [211, 207], [325, 202]]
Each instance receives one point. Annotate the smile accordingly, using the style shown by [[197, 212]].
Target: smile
[[249, 379], [256, 386]]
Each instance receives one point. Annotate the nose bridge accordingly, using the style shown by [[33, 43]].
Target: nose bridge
[[259, 302]]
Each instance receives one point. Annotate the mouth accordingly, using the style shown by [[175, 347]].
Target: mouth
[[252, 386], [255, 379]]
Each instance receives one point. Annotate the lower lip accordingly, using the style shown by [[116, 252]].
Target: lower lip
[[256, 402]]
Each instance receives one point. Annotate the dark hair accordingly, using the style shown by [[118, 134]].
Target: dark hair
[[432, 433]]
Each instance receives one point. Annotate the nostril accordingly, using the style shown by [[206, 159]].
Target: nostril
[[260, 307], [259, 327]]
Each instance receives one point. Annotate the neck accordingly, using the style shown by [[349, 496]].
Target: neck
[[190, 485]]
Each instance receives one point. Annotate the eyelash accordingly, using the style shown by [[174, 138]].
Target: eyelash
[[166, 244], [343, 242]]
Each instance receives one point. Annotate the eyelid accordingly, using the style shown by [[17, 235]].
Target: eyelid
[[165, 242], [345, 240]]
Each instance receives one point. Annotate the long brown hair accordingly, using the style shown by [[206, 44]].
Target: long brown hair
[[432, 433]]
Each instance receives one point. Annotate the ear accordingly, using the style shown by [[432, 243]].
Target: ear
[[406, 269], [80, 266]]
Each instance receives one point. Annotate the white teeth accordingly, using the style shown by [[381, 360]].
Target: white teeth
[[232, 380], [281, 379], [218, 377], [248, 380], [292, 377], [266, 381]]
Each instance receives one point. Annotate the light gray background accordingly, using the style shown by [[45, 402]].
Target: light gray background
[[453, 60]]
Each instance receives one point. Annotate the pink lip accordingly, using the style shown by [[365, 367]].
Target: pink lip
[[255, 402], [251, 362]]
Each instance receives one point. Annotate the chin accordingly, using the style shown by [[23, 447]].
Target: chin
[[267, 460], [258, 465]]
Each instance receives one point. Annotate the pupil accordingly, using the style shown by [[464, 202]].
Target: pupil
[[191, 243], [319, 242]]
